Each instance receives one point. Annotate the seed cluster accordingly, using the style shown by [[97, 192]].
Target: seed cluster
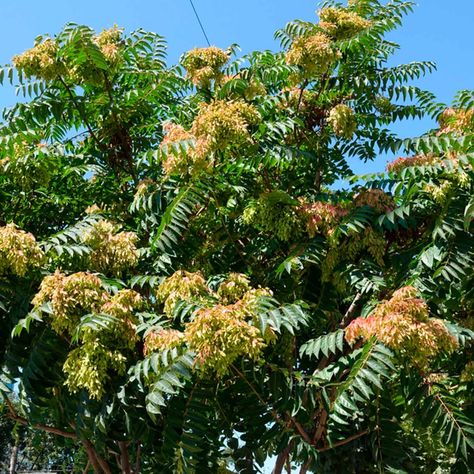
[[71, 297], [321, 217], [458, 121], [275, 213], [161, 340], [403, 324], [110, 41], [181, 286], [376, 199], [343, 121], [19, 251], [341, 23], [101, 348], [177, 160], [418, 160], [104, 349], [217, 125], [27, 167], [223, 123], [45, 61], [221, 334], [40, 61], [113, 253], [314, 54], [204, 65], [233, 288], [222, 330]]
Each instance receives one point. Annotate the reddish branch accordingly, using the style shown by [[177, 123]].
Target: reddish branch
[[343, 442], [124, 458], [23, 421]]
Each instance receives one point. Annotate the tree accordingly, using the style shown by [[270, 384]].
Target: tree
[[183, 286]]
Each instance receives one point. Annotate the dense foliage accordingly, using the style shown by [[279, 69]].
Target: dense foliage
[[185, 286]]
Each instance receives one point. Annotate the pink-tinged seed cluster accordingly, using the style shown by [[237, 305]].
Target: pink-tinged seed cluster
[[403, 324]]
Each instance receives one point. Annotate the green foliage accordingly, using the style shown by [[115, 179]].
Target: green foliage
[[259, 325]]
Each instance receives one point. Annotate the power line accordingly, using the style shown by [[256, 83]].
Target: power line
[[200, 23]]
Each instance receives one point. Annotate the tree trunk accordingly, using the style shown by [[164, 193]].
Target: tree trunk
[[124, 458], [282, 459], [13, 460]]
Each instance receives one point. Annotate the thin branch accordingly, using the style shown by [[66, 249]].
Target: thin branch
[[23, 421], [351, 311], [305, 466], [343, 442], [137, 458], [83, 117], [124, 458], [242, 376]]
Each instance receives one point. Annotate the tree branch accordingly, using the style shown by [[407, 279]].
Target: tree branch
[[23, 421], [343, 442], [124, 458], [281, 459], [351, 311], [83, 117]]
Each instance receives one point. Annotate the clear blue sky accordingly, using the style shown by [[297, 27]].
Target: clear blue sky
[[439, 30]]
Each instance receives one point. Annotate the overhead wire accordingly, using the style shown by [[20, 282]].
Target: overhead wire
[[200, 22]]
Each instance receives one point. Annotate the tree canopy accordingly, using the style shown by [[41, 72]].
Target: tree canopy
[[186, 286]]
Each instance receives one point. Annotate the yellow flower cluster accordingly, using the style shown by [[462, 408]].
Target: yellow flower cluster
[[109, 42], [321, 217], [40, 61], [223, 123], [19, 251], [219, 335], [314, 54], [178, 161], [88, 367], [403, 324], [112, 252], [181, 285], [343, 121], [204, 65], [71, 297], [274, 213], [341, 23], [375, 198], [233, 288], [458, 121], [161, 340]]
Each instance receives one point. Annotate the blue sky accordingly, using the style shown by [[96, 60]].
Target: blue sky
[[438, 30]]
